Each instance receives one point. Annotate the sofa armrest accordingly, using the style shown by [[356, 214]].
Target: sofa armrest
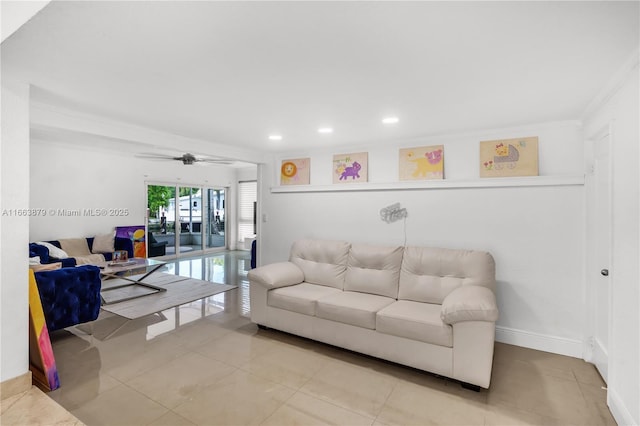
[[469, 303], [276, 275]]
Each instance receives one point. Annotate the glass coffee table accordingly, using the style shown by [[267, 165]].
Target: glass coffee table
[[128, 287]]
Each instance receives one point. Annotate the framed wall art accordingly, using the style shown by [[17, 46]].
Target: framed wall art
[[421, 163], [350, 168], [509, 157], [137, 235], [295, 172]]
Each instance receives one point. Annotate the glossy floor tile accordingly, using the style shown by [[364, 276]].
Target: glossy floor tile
[[205, 363], [33, 407]]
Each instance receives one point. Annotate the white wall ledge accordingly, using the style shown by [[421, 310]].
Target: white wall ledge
[[527, 181]]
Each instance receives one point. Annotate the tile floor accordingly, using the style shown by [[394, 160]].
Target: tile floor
[[205, 363]]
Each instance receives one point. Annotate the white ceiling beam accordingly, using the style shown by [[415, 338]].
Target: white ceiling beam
[[47, 116]]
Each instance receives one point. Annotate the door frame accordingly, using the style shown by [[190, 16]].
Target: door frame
[[592, 266]]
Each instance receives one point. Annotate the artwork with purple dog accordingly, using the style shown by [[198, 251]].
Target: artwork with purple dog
[[350, 168]]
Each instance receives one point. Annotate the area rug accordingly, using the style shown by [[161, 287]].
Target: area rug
[[180, 290]]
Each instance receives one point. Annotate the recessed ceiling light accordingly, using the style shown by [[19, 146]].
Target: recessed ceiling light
[[325, 130], [390, 120], [275, 137]]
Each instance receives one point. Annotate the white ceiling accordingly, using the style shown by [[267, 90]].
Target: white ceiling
[[234, 72]]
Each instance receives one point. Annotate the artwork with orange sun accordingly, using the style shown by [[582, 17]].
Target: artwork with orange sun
[[295, 172], [137, 236]]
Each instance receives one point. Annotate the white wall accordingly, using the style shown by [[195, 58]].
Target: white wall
[[247, 173], [536, 234], [14, 231], [622, 113], [69, 176]]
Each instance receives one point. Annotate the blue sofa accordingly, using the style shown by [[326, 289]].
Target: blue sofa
[[43, 252], [69, 296]]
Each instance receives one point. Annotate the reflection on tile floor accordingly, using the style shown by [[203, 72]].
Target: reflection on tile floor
[[205, 363]]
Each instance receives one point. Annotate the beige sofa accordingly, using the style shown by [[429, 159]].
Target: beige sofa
[[428, 308]]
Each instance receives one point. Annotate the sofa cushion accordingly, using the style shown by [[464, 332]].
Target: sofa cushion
[[430, 274], [415, 321], [40, 251], [104, 243], [322, 262], [54, 252], [374, 270], [299, 298], [75, 247], [91, 259], [352, 308]]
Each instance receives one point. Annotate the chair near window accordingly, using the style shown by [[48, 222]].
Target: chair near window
[[156, 248]]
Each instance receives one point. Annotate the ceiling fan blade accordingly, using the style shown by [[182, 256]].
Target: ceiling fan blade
[[149, 156], [213, 161]]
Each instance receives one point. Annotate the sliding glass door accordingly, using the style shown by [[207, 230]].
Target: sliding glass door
[[185, 220], [216, 226], [190, 213], [161, 223]]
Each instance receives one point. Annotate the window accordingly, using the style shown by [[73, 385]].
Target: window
[[247, 198]]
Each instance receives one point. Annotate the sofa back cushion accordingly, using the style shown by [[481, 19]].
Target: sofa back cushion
[[430, 274], [323, 262], [374, 270], [103, 243], [75, 247]]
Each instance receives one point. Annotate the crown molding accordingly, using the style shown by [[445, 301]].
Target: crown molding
[[613, 86]]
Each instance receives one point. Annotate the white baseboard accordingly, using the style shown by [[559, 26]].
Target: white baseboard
[[541, 342], [601, 359], [619, 411]]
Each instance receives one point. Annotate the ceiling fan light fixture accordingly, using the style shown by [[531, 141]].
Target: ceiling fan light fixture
[[188, 159]]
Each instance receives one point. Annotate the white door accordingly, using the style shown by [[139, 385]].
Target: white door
[[603, 219]]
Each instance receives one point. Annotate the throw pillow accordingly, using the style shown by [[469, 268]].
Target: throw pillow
[[34, 260], [75, 246], [53, 250], [104, 243]]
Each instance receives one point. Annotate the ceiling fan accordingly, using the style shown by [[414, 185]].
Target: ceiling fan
[[187, 158]]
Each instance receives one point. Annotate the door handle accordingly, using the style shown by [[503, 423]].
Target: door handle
[[604, 272]]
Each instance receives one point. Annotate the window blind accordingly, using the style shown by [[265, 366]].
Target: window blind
[[247, 197]]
